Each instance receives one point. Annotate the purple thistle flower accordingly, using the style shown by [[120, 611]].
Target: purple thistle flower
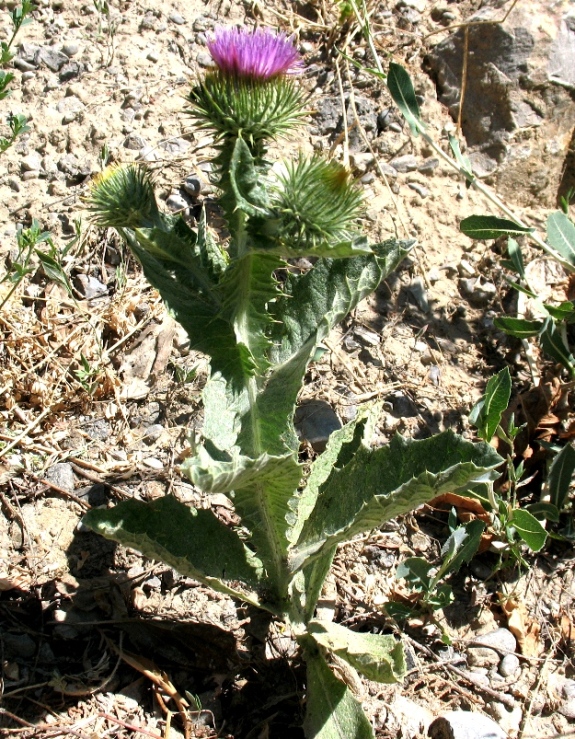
[[259, 54]]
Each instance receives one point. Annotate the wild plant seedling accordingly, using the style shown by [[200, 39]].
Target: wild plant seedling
[[260, 323]]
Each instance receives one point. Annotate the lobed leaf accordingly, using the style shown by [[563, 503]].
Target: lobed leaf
[[379, 484], [192, 541]]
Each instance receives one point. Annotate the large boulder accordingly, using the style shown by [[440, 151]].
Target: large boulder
[[519, 102]]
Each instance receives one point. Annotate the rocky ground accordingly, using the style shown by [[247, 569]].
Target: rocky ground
[[98, 388]]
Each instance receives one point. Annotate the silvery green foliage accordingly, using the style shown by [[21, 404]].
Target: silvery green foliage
[[260, 323]]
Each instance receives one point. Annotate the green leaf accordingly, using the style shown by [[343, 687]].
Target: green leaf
[[401, 89], [561, 476], [529, 529], [463, 161], [246, 181], [564, 312], [486, 415], [192, 541], [378, 657], [53, 270], [561, 236], [262, 490], [544, 511], [519, 327], [332, 711], [379, 484], [313, 304], [516, 257], [461, 547], [490, 227], [553, 345], [415, 571]]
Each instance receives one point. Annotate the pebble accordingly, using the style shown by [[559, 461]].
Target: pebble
[[153, 432], [465, 725], [567, 707], [176, 202], [204, 59], [31, 163], [466, 269], [175, 146], [61, 475], [70, 49], [501, 639], [428, 166], [28, 76], [51, 58], [419, 293], [23, 65], [507, 720], [176, 18], [193, 186], [153, 56], [509, 665], [477, 292], [418, 5], [314, 421], [153, 463], [32, 175], [407, 163], [419, 189], [148, 154], [89, 287], [134, 141], [70, 71]]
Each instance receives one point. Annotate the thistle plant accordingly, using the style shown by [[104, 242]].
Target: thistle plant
[[260, 324]]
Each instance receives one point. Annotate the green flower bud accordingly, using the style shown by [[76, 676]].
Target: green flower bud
[[123, 197]]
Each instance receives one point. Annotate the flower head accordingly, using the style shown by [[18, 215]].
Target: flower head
[[259, 54]]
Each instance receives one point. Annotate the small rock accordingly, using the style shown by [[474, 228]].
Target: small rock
[[478, 293], [502, 639], [406, 163], [421, 190], [98, 429], [175, 145], [508, 721], [466, 269], [148, 154], [153, 432], [205, 60], [61, 475], [28, 76], [202, 24], [509, 665], [314, 421], [418, 5], [417, 289], [465, 725], [71, 166], [18, 645], [567, 707], [31, 163], [134, 141], [153, 56], [193, 186], [70, 49], [176, 18], [153, 463], [23, 65], [89, 287], [51, 58], [428, 165], [70, 71], [176, 202]]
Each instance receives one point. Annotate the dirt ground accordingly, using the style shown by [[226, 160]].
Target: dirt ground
[[98, 389]]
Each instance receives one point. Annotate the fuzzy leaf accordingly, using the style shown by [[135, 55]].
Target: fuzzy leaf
[[332, 711], [314, 303], [490, 227], [378, 657], [561, 236], [197, 313], [246, 181], [192, 541], [401, 89], [261, 489], [379, 484]]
